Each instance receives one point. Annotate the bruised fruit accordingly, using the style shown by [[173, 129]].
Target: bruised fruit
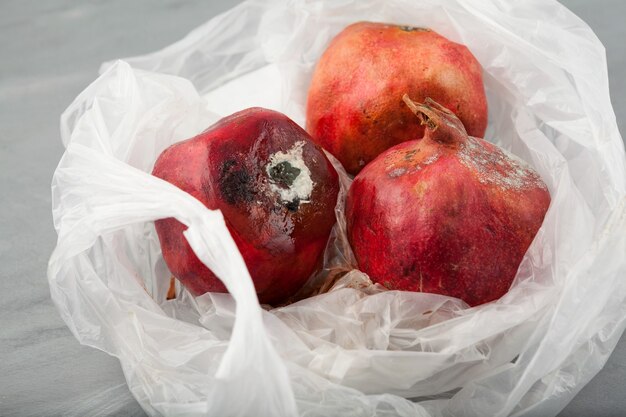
[[448, 214], [277, 192], [354, 109]]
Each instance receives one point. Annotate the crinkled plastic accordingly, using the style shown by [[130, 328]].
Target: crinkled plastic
[[355, 350]]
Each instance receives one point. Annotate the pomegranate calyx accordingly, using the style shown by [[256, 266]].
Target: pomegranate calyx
[[441, 124]]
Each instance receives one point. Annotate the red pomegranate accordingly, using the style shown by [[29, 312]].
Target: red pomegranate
[[276, 190], [449, 214], [354, 108]]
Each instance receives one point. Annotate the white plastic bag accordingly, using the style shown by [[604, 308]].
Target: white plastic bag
[[355, 350]]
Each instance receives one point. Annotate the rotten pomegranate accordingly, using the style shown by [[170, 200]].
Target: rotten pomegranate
[[354, 109], [276, 190], [448, 214]]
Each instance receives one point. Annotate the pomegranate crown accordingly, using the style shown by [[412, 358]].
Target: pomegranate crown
[[441, 124]]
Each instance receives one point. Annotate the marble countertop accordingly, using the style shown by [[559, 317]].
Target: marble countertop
[[49, 52]]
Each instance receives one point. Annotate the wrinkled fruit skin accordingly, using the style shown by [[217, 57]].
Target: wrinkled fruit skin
[[277, 192], [447, 214], [354, 109]]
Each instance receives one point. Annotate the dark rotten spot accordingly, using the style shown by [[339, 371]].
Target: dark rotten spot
[[409, 270], [293, 205], [235, 184], [284, 174]]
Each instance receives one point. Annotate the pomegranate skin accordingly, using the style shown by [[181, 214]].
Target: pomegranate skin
[[447, 214], [277, 192], [354, 109]]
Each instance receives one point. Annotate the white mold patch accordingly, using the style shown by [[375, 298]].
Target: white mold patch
[[431, 159], [289, 176], [397, 172], [498, 167]]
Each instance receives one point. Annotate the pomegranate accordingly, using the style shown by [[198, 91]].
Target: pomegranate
[[276, 190], [449, 214], [354, 109]]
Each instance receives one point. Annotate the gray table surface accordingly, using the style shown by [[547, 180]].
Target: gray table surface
[[49, 52]]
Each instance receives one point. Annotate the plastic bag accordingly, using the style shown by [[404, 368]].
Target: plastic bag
[[354, 350]]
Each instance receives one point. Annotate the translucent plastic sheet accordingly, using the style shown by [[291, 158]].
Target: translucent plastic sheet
[[356, 350]]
